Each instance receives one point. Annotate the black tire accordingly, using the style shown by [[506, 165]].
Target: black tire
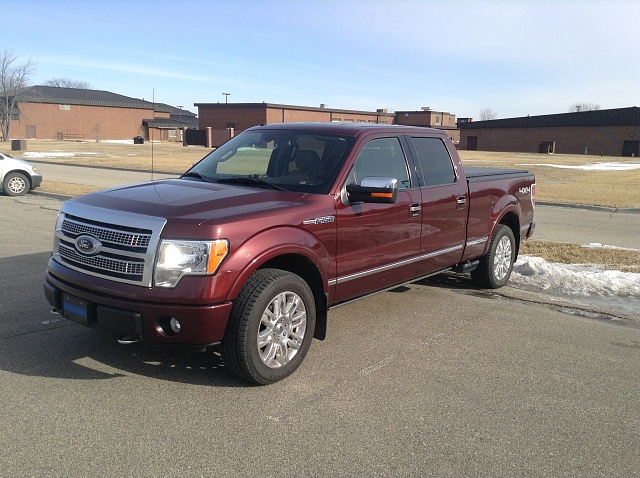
[[495, 267], [16, 184], [284, 340]]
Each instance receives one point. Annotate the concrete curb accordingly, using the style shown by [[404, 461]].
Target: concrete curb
[[614, 210]]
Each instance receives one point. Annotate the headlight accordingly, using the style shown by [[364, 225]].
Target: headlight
[[178, 258]]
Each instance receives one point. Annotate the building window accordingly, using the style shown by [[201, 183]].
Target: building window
[[336, 120], [437, 119], [65, 107]]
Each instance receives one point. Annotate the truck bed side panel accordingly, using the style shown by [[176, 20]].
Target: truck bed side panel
[[495, 194]]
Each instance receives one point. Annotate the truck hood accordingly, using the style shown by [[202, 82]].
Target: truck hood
[[192, 203]]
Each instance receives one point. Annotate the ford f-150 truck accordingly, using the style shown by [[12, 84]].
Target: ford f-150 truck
[[252, 246]]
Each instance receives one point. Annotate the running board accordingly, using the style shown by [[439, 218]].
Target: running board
[[466, 266]]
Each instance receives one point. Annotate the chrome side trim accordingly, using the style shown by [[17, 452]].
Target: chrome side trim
[[475, 242], [387, 267]]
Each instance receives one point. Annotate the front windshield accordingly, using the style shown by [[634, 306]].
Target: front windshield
[[301, 161]]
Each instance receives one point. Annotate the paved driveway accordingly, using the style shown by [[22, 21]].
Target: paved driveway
[[429, 380]]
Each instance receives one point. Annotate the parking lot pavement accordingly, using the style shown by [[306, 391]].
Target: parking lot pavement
[[587, 226], [426, 380]]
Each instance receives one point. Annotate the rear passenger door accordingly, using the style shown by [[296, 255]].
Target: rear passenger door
[[444, 204], [378, 244]]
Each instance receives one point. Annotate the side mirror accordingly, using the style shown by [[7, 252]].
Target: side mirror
[[373, 189]]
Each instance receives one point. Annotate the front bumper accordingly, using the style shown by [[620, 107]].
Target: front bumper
[[36, 180], [147, 321]]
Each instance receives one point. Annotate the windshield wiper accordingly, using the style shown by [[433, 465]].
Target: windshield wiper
[[250, 180], [193, 174]]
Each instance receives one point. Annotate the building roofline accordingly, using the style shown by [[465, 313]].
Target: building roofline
[[86, 97], [293, 107], [610, 117]]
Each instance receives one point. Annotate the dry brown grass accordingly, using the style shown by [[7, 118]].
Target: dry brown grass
[[171, 157], [566, 253], [617, 189], [601, 188]]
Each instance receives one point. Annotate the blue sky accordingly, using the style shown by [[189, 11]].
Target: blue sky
[[515, 57]]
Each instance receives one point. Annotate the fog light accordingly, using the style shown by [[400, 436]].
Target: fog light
[[174, 325]]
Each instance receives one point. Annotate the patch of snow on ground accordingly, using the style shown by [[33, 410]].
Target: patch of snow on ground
[[53, 154], [589, 285], [592, 167], [573, 279]]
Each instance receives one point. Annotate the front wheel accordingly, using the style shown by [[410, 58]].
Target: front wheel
[[495, 267], [270, 328], [16, 184]]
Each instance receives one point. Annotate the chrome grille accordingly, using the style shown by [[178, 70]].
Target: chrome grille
[[106, 265], [105, 234], [126, 243]]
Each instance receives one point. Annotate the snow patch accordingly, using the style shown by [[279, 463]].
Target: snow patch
[[54, 154], [591, 167], [534, 273]]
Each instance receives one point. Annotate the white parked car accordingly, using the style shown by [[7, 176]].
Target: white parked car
[[17, 177]]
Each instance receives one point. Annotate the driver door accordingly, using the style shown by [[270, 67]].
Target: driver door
[[378, 244]]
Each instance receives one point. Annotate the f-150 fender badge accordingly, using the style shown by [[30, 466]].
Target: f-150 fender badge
[[320, 220]]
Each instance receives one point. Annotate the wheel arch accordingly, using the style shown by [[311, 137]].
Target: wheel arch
[[305, 256], [22, 172], [512, 221], [303, 267]]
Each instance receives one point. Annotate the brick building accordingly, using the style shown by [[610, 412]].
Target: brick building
[[613, 132], [48, 112], [430, 119], [226, 119]]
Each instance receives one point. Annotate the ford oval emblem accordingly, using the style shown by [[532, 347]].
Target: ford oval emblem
[[87, 245]]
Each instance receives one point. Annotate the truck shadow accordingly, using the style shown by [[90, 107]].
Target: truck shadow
[[35, 342]]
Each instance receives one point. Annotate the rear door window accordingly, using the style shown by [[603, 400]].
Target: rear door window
[[437, 168]]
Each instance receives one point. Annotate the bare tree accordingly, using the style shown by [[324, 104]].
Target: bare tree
[[487, 114], [577, 107], [13, 80], [68, 83]]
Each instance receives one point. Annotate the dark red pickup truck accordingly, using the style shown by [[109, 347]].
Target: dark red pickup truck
[[253, 245]]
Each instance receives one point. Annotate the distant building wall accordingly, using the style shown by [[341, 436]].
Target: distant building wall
[[241, 116], [223, 116], [612, 132], [47, 121], [605, 140]]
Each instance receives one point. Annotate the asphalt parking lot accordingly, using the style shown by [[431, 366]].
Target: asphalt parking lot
[[432, 379]]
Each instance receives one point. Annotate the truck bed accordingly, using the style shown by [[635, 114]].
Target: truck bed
[[476, 174]]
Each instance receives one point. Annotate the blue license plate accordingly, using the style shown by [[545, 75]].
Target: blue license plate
[[75, 309]]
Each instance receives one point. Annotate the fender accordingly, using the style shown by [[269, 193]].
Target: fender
[[268, 245], [506, 204]]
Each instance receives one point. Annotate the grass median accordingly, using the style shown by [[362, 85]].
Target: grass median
[[558, 179]]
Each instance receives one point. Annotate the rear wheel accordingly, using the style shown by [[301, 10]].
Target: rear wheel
[[270, 328], [495, 267], [16, 184]]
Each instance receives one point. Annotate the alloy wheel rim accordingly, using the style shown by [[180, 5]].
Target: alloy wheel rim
[[502, 262], [282, 329], [16, 185]]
